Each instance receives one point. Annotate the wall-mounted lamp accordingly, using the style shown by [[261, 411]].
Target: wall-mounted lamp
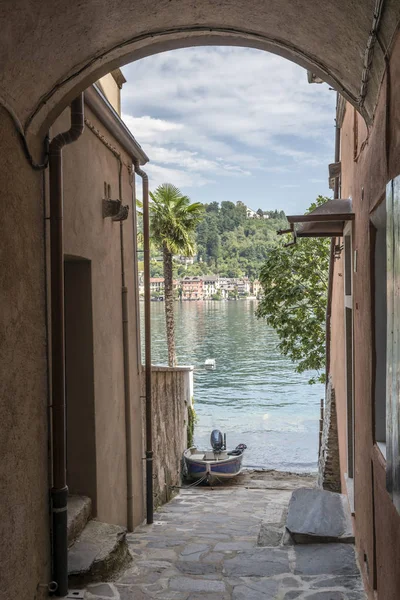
[[115, 210], [122, 213], [111, 208]]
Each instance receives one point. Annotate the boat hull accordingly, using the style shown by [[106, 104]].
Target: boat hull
[[212, 470]]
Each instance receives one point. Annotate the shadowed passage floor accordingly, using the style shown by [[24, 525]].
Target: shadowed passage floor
[[230, 543]]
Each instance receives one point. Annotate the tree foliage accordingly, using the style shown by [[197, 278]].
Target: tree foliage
[[230, 244], [295, 286], [227, 242]]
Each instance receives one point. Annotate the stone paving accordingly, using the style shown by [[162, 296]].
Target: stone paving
[[229, 543]]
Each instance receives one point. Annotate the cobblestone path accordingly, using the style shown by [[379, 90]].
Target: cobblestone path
[[228, 543]]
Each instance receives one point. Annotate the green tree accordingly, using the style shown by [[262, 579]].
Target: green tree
[[173, 222], [295, 287]]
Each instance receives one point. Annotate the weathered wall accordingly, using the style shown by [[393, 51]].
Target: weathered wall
[[24, 485], [338, 362], [89, 236], [329, 463], [172, 390], [365, 172]]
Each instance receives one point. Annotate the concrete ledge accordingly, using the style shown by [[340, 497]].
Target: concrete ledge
[[79, 512], [97, 554], [178, 369]]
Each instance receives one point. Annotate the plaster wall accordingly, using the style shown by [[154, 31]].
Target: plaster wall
[[24, 484], [364, 177], [111, 91], [172, 390], [88, 165]]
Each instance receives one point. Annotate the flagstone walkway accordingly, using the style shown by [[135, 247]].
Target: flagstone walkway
[[228, 543]]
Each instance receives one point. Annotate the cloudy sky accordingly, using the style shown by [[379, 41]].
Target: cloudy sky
[[232, 124]]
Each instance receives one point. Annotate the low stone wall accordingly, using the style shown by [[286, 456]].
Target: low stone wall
[[329, 463], [172, 394]]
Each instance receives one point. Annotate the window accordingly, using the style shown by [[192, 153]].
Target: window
[[393, 340], [348, 307], [379, 300]]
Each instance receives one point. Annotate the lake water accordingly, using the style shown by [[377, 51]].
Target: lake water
[[254, 395]]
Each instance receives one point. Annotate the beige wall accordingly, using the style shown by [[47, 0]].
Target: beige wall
[[87, 165], [111, 91], [24, 485]]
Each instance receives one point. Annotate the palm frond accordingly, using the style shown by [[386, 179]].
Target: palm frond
[[174, 219]]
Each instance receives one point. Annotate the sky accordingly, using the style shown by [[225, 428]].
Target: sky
[[227, 123]]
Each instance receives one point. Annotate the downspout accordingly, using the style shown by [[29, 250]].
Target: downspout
[[59, 492], [127, 384], [332, 257], [147, 333]]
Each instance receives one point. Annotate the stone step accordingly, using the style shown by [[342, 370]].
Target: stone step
[[318, 516], [79, 513], [99, 552]]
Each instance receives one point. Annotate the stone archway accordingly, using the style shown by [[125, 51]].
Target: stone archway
[[50, 54], [51, 51]]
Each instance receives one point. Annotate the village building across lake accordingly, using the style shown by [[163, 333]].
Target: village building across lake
[[208, 287]]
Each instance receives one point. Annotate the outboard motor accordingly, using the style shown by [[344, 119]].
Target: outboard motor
[[217, 441]]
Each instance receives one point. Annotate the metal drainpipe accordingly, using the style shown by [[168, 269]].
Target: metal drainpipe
[[147, 333], [59, 492], [332, 259], [127, 384]]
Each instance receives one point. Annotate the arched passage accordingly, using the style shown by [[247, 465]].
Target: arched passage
[[49, 55], [51, 51]]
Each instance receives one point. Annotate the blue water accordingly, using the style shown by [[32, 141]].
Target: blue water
[[254, 395]]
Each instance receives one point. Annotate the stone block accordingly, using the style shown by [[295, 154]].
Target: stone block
[[270, 535], [262, 562], [187, 584], [325, 559], [100, 550], [319, 516]]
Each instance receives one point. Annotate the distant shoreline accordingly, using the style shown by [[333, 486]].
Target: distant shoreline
[[141, 298]]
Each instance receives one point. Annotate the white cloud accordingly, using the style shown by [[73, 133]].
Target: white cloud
[[160, 174], [203, 112], [148, 128], [233, 92]]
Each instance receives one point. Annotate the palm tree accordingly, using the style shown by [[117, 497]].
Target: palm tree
[[173, 221]]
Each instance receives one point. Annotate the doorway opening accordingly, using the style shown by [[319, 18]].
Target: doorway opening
[[80, 397]]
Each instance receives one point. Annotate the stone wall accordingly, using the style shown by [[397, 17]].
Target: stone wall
[[329, 463], [172, 393]]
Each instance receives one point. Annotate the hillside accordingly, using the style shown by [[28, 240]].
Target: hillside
[[230, 243]]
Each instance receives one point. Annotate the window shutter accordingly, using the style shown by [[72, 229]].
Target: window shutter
[[393, 341]]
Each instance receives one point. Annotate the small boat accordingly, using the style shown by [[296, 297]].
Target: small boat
[[210, 364], [216, 464]]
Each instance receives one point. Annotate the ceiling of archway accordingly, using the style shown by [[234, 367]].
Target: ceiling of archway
[[51, 50]]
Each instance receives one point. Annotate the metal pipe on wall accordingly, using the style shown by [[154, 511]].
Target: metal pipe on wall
[[127, 384], [147, 329], [59, 492]]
